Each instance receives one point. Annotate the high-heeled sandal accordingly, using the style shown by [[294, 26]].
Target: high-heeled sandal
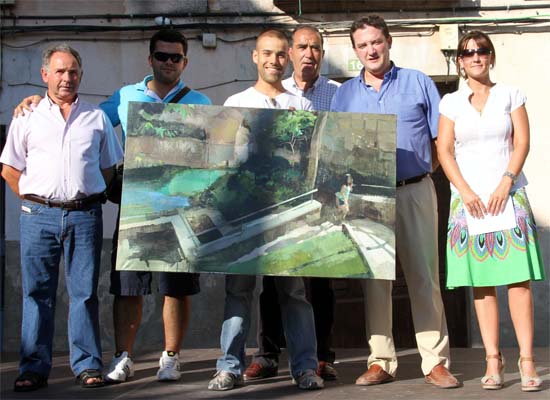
[[525, 380], [497, 380]]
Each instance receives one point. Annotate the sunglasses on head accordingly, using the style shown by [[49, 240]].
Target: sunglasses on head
[[482, 51], [163, 57]]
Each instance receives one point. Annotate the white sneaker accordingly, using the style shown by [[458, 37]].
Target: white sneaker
[[169, 367], [120, 369], [224, 380]]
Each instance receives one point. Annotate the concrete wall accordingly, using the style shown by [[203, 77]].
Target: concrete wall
[[112, 59], [204, 327]]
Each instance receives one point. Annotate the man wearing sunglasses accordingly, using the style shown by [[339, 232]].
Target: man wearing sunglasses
[[384, 88], [168, 59]]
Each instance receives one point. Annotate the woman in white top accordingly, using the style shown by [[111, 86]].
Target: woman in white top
[[482, 144]]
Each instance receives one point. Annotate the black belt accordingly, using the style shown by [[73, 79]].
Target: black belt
[[69, 205], [414, 179]]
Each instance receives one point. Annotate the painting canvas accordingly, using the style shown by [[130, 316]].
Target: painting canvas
[[258, 191]]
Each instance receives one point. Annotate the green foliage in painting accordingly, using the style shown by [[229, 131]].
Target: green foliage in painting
[[294, 128], [160, 120], [259, 183]]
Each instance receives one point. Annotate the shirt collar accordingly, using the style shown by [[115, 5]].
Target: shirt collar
[[466, 90], [142, 86], [315, 84], [390, 75], [52, 103]]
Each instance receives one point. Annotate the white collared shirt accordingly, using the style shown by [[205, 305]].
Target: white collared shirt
[[483, 141], [58, 159]]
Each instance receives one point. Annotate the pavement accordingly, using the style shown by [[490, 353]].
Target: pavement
[[199, 366]]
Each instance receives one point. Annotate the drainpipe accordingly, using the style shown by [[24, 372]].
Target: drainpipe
[[2, 242]]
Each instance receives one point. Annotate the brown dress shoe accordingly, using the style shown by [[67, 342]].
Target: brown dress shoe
[[257, 371], [327, 371], [442, 378], [375, 375]]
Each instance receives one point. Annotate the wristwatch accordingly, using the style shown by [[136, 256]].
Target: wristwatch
[[510, 175]]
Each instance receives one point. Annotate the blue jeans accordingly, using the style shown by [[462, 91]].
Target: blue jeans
[[46, 234], [297, 318]]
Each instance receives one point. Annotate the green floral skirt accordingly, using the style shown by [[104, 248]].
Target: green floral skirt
[[496, 258]]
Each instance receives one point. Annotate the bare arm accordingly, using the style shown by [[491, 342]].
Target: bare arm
[[108, 175], [12, 176], [520, 123], [446, 156], [435, 159], [25, 105]]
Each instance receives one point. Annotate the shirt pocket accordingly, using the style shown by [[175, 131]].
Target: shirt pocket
[[409, 108], [86, 144]]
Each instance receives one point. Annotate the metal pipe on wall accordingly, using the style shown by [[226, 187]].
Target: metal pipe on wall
[[2, 241]]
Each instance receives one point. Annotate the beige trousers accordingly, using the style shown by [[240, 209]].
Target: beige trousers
[[416, 242]]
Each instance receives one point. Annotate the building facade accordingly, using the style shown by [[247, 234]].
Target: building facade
[[112, 37]]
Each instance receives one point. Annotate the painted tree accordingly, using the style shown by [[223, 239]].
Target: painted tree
[[294, 128]]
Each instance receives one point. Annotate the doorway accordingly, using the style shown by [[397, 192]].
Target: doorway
[[349, 322]]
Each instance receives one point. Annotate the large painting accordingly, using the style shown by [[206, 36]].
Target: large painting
[[258, 191]]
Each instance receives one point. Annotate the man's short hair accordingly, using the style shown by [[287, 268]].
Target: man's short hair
[[59, 48], [309, 28], [170, 36], [375, 21], [273, 32]]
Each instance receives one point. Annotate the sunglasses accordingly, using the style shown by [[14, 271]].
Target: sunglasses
[[163, 57], [482, 52]]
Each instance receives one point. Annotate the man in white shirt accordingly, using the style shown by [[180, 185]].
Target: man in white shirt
[[306, 54], [168, 59], [271, 58], [59, 160]]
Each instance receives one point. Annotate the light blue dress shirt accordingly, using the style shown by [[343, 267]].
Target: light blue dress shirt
[[414, 98]]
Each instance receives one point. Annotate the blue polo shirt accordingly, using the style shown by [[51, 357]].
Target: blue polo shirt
[[414, 98], [116, 106]]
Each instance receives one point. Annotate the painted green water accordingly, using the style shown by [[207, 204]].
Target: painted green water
[[192, 181], [147, 196]]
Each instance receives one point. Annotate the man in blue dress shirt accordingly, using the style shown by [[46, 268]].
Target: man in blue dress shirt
[[384, 88]]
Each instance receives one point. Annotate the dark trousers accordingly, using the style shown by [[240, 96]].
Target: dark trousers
[[271, 336]]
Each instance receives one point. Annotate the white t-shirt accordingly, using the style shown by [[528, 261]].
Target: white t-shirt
[[483, 141], [253, 99]]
